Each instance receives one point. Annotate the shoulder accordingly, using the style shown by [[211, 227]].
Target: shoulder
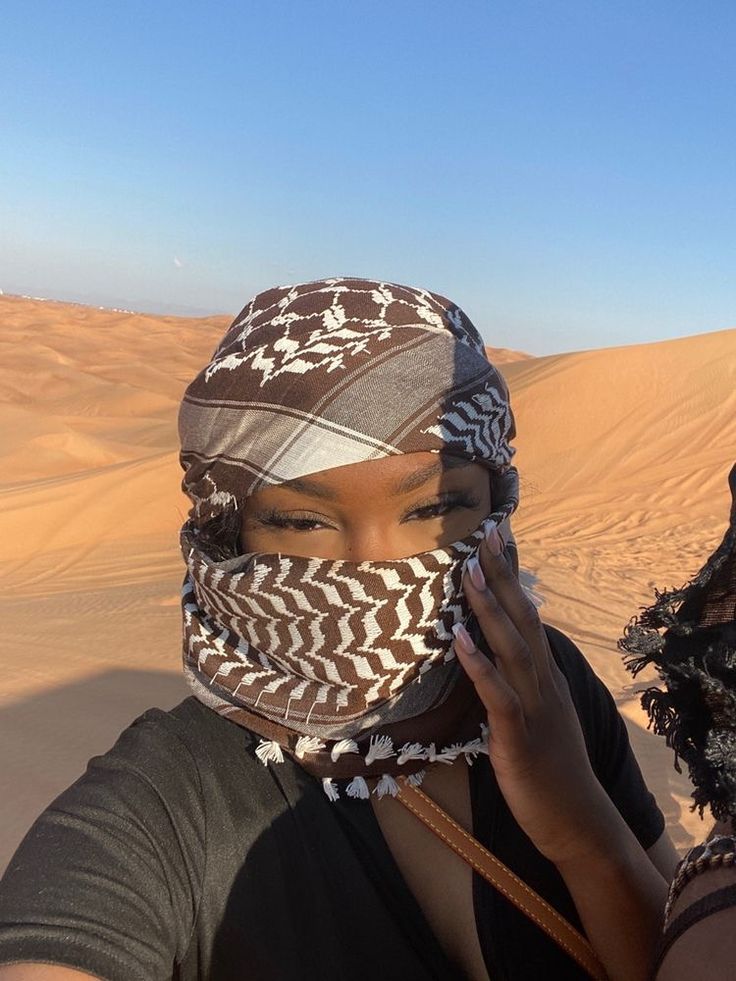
[[599, 718], [607, 741], [157, 748], [184, 762], [583, 681], [164, 770], [162, 744], [569, 657], [200, 766], [109, 878]]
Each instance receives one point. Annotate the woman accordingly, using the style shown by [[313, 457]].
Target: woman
[[350, 569]]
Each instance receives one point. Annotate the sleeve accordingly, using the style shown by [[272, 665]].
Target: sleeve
[[608, 744], [107, 879]]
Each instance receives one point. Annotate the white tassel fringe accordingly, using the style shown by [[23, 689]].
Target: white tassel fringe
[[412, 751], [269, 751], [379, 748], [472, 749], [386, 785], [358, 788], [448, 754], [307, 744], [330, 788], [343, 746]]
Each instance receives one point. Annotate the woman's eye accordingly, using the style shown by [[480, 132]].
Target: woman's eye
[[292, 523], [437, 509], [301, 524]]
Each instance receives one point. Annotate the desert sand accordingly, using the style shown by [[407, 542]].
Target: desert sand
[[623, 453]]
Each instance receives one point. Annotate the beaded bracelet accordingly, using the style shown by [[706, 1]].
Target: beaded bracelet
[[719, 852]]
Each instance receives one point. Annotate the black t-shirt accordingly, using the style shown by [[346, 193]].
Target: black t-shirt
[[178, 855]]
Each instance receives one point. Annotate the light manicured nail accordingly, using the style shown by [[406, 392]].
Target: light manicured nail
[[463, 640], [476, 573], [493, 539]]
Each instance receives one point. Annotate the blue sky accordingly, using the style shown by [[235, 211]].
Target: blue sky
[[566, 171]]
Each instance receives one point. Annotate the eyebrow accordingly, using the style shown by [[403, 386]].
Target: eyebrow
[[303, 486], [409, 483], [420, 477]]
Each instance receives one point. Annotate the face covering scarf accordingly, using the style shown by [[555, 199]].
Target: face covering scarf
[[347, 666]]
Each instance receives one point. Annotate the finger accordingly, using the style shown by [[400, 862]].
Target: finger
[[502, 703], [513, 656], [512, 597]]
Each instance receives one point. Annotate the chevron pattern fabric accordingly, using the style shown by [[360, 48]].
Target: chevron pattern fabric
[[322, 643], [300, 650]]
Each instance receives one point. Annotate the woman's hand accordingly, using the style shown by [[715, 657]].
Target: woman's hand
[[536, 746], [542, 767]]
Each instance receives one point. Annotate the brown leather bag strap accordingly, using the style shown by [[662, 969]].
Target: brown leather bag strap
[[501, 878]]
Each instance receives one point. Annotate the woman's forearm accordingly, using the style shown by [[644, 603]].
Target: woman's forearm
[[620, 898], [707, 949]]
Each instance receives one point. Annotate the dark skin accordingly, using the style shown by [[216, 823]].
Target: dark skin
[[404, 505], [383, 509], [707, 950]]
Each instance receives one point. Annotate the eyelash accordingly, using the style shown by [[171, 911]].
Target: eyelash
[[459, 500]]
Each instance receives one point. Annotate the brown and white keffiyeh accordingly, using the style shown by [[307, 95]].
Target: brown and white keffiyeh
[[348, 666]]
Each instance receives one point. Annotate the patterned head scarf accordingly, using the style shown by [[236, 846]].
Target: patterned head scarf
[[348, 666]]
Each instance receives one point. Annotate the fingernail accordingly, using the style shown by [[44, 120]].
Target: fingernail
[[476, 573], [493, 539], [463, 640]]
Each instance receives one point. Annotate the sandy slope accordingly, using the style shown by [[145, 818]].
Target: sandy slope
[[504, 355], [623, 453]]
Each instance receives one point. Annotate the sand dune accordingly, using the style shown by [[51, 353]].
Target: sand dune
[[623, 453], [504, 355]]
